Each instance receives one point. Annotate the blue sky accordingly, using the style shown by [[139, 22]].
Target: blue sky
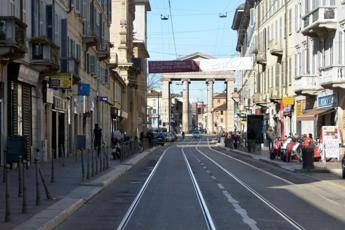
[[198, 28]]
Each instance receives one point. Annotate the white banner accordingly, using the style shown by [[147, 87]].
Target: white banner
[[225, 64]]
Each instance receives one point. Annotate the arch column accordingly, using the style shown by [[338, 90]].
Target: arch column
[[166, 104], [210, 122], [229, 105], [185, 107]]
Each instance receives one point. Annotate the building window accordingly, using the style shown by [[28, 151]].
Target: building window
[[221, 112], [290, 21]]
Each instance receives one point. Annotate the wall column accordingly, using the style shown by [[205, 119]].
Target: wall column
[[229, 105], [185, 107], [210, 122], [165, 108]]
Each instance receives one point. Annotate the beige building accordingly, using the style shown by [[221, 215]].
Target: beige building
[[128, 35]]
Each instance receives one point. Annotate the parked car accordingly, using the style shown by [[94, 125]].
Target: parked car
[[159, 138], [196, 134], [171, 137]]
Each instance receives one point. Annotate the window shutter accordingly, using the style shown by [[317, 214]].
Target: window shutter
[[49, 21], [64, 45]]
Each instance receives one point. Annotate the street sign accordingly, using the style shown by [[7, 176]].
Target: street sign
[[16, 146], [83, 89], [102, 98], [60, 81], [81, 142]]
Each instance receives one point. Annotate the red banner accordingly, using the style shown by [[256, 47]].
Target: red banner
[[173, 66]]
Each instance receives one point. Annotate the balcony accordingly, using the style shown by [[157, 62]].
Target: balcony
[[320, 22], [44, 55], [12, 38], [276, 50], [259, 99], [89, 40], [114, 60], [306, 85], [136, 65], [274, 95], [261, 58], [332, 77], [103, 52]]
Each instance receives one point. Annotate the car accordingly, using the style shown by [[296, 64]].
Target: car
[[196, 134], [171, 137], [159, 138]]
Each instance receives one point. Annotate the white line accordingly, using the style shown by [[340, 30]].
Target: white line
[[241, 211], [256, 194], [213, 177], [208, 171], [220, 186], [201, 199], [136, 201]]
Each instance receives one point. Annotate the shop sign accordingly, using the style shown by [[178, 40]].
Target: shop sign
[[326, 101], [102, 98], [28, 75], [60, 81], [330, 142], [288, 101], [287, 110], [59, 104], [299, 108]]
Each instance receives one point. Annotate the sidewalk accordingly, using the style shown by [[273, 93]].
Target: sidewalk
[[68, 191], [329, 167]]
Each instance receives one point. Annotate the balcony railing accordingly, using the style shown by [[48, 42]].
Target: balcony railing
[[103, 51], [333, 76], [320, 21], [306, 84], [44, 55], [12, 38], [90, 39], [276, 50]]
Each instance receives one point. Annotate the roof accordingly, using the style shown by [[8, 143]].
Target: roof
[[222, 107], [311, 114], [237, 17], [220, 95], [195, 56], [145, 2], [153, 93]]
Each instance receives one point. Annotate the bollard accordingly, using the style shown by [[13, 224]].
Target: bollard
[[24, 204], [49, 197], [4, 168], [82, 165], [52, 176], [20, 188], [107, 158], [38, 197], [7, 195], [92, 164], [62, 155], [88, 165]]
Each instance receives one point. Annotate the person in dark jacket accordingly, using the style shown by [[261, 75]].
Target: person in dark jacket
[[97, 142]]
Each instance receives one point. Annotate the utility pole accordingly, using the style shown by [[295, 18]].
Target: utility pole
[[159, 117]]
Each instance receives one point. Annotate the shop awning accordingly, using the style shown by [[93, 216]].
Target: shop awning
[[311, 114]]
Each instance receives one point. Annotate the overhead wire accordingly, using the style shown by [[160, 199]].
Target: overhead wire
[[172, 27]]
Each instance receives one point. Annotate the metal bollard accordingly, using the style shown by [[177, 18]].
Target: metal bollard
[[49, 197], [107, 158], [92, 164], [52, 176], [20, 188], [4, 168], [82, 165], [24, 203], [62, 155], [7, 195], [38, 196]]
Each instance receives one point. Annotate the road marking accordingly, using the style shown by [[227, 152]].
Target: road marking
[[256, 194], [204, 167], [201, 199], [241, 211], [220, 186], [136, 201], [213, 177], [208, 171]]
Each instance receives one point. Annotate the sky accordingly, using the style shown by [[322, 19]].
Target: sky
[[197, 28]]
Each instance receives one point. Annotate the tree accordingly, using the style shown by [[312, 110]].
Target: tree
[[153, 81]]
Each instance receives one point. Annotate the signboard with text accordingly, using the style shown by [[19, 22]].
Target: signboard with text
[[60, 81], [330, 142], [173, 66], [326, 101]]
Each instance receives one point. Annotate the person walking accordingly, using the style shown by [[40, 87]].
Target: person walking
[[270, 138], [97, 142]]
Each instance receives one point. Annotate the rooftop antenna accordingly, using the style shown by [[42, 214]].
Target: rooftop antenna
[[164, 17], [223, 15]]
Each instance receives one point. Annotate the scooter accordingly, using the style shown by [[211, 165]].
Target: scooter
[[275, 151], [284, 148], [297, 150]]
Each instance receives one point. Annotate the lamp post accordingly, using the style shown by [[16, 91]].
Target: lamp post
[[159, 117]]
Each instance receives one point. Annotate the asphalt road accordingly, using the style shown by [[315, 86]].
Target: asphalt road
[[192, 185]]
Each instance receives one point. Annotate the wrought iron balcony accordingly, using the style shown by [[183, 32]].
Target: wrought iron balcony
[[320, 22], [44, 55], [12, 38], [332, 77], [90, 39], [306, 85]]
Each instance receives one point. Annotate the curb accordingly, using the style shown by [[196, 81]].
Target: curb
[[57, 213]]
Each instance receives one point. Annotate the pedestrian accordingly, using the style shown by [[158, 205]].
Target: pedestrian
[[270, 138], [97, 132], [183, 135]]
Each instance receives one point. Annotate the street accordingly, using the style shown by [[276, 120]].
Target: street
[[195, 185]]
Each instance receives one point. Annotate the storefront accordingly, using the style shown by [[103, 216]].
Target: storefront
[[324, 114], [287, 108]]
